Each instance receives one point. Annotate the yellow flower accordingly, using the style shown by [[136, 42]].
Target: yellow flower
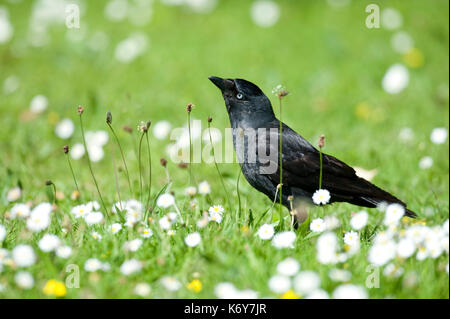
[[413, 58], [54, 288], [290, 294], [363, 110], [53, 118], [244, 229], [195, 286]]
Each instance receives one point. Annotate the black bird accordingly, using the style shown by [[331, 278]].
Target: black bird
[[249, 108]]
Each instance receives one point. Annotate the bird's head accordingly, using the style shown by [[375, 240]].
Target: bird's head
[[243, 99]]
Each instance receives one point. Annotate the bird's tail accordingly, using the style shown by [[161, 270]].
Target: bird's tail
[[390, 200]]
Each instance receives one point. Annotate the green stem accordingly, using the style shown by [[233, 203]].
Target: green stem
[[217, 166], [190, 148], [320, 176], [149, 170], [73, 174], [90, 165], [123, 157], [281, 163], [140, 166], [239, 194]]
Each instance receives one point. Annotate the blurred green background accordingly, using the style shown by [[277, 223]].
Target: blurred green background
[[321, 51]]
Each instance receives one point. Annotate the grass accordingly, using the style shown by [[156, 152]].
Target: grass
[[331, 65]]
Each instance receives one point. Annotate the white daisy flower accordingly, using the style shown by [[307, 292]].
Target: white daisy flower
[[20, 211], [38, 104], [96, 236], [395, 79], [131, 48], [318, 225], [161, 130], [49, 242], [306, 282], [331, 222], [288, 267], [391, 18], [165, 201], [351, 238], [77, 151], [340, 275], [284, 240], [381, 254], [80, 211], [92, 265], [279, 284], [147, 233], [190, 191], [349, 291], [394, 212], [426, 162], [405, 248], [170, 283], [23, 255], [318, 294], [439, 135], [193, 239], [39, 217], [64, 129], [204, 188], [165, 223], [359, 220], [215, 217], [2, 232], [63, 251], [171, 232], [93, 218], [392, 270], [115, 228], [13, 194], [142, 289], [216, 209], [132, 245], [265, 13], [24, 280], [321, 197], [130, 267], [266, 232]]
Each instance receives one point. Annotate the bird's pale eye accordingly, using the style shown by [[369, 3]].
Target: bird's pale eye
[[239, 96]]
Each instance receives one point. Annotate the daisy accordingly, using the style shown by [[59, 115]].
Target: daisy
[[93, 218], [39, 217], [132, 245], [23, 255], [38, 104], [406, 248], [64, 129], [321, 197], [288, 267], [381, 254], [2, 232], [340, 275], [63, 251], [266, 232], [394, 212], [193, 239], [165, 201], [96, 236], [165, 223], [147, 233], [306, 282], [439, 135], [426, 162], [170, 283], [20, 211], [359, 220], [92, 265], [142, 289], [115, 228], [204, 188], [317, 225], [77, 151], [265, 13], [351, 238], [80, 210], [13, 194], [350, 291], [161, 129], [171, 232], [331, 222], [24, 280], [395, 79], [284, 240], [49, 242], [279, 284], [190, 191], [216, 209], [318, 294], [130, 267], [215, 217]]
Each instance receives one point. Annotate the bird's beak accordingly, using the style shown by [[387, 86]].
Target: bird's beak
[[222, 84]]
